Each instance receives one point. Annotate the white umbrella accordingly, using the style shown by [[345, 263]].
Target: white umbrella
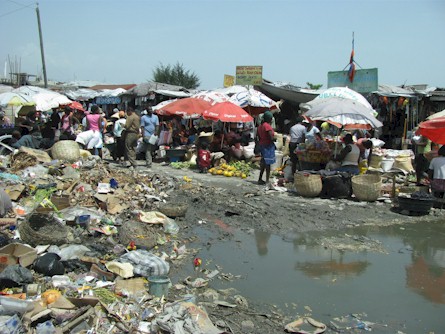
[[31, 90], [344, 113], [211, 96], [346, 93], [437, 114], [15, 99], [47, 101], [158, 108], [252, 98], [232, 90]]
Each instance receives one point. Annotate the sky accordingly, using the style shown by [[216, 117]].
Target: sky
[[123, 41]]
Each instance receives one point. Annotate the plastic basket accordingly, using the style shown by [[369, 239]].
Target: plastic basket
[[308, 185], [421, 206], [366, 187]]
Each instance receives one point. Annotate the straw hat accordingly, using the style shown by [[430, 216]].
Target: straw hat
[[115, 115]]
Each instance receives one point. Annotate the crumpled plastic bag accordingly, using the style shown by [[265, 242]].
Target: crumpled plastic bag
[[15, 275], [70, 252], [49, 265], [184, 318], [145, 263], [153, 217]]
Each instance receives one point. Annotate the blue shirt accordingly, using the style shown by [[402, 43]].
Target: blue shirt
[[149, 123]]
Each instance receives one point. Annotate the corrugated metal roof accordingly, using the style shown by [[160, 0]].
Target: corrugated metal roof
[[112, 87]]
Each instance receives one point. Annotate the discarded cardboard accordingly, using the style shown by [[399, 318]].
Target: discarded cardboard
[[17, 254], [112, 203], [60, 203], [15, 191], [62, 303], [134, 286]]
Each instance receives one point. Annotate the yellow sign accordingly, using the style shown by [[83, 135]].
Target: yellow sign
[[229, 80], [249, 75]]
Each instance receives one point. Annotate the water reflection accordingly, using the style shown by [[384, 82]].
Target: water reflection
[[332, 267], [261, 239], [426, 280]]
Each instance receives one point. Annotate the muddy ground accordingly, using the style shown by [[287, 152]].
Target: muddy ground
[[229, 204]]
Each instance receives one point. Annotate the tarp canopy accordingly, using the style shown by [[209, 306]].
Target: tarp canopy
[[394, 91], [171, 93], [147, 87]]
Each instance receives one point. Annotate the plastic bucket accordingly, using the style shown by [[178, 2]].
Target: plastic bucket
[[158, 285], [387, 164], [278, 160], [153, 139]]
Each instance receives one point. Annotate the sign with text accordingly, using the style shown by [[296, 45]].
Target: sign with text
[[249, 75], [365, 80], [108, 100], [229, 80]]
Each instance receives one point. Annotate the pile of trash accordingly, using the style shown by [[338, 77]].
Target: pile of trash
[[88, 249]]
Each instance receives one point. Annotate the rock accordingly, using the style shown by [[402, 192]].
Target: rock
[[247, 326]]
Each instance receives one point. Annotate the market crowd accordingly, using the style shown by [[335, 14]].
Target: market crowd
[[132, 134]]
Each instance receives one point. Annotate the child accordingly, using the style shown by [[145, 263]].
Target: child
[[204, 158]]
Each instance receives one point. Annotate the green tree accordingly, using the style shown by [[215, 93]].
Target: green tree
[[313, 86], [176, 75]]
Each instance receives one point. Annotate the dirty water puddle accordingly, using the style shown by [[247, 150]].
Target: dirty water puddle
[[390, 278]]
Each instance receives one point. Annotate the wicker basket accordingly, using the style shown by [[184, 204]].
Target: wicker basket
[[367, 187], [43, 229], [308, 185], [66, 150]]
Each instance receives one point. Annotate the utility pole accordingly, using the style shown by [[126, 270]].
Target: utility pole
[[41, 46]]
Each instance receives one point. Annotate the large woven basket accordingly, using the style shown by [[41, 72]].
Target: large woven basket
[[66, 150], [308, 185], [367, 187]]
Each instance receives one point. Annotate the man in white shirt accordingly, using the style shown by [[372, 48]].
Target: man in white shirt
[[149, 127], [297, 136], [436, 173]]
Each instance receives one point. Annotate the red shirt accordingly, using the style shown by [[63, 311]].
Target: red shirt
[[263, 130], [204, 158]]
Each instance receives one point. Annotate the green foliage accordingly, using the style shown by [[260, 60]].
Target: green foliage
[[314, 86], [176, 75]]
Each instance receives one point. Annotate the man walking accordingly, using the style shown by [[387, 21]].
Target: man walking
[[297, 136], [149, 127], [131, 127]]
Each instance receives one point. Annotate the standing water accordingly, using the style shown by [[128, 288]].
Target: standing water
[[392, 276]]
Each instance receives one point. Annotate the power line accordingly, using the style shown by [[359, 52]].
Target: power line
[[16, 10]]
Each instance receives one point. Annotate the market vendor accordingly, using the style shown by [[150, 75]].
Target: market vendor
[[297, 136], [436, 173], [349, 156], [365, 146]]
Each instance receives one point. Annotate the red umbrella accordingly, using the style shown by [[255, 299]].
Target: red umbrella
[[434, 130], [227, 112], [188, 107], [76, 105]]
